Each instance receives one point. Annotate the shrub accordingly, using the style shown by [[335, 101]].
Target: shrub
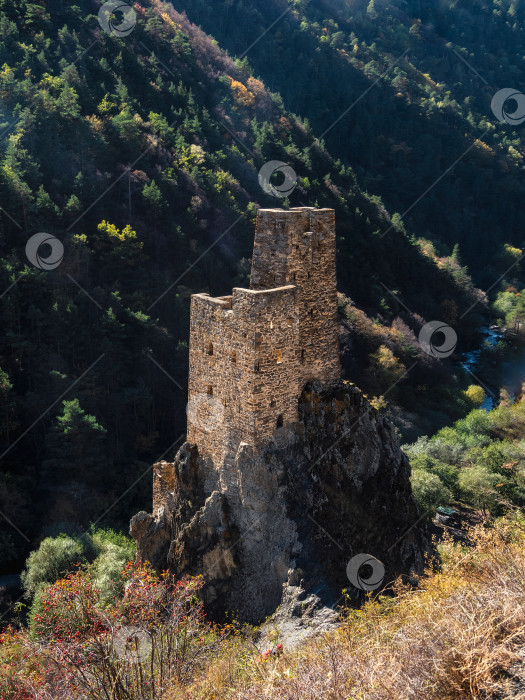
[[480, 459], [54, 557], [448, 475], [106, 570], [154, 637], [109, 551], [479, 486], [475, 395], [477, 422], [443, 451], [429, 491]]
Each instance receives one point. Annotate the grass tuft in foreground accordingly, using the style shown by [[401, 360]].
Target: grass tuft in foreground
[[458, 636]]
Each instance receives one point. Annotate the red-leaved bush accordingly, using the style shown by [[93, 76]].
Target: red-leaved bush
[[154, 637]]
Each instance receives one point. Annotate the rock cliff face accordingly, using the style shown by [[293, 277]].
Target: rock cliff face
[[291, 516]]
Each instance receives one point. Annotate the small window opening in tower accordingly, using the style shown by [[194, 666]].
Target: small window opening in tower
[[279, 357], [302, 355], [293, 277], [209, 349], [233, 356], [272, 402], [271, 325], [311, 312], [257, 366], [280, 421], [210, 391]]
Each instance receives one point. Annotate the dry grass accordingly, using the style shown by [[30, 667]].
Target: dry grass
[[455, 637]]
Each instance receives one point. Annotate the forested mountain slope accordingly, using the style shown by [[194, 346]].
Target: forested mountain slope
[[122, 148], [434, 68]]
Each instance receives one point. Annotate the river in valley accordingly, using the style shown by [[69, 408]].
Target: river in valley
[[499, 363]]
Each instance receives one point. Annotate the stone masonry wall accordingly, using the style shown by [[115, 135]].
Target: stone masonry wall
[[252, 352], [243, 368], [298, 246]]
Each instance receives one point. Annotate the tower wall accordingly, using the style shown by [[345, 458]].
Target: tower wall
[[244, 373], [252, 352], [298, 246]]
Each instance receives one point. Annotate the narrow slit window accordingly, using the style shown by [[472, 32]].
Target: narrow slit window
[[279, 357], [280, 421], [209, 349], [302, 355], [272, 402], [257, 366], [210, 391]]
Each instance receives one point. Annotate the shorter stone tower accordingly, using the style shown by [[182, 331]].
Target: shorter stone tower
[[252, 352]]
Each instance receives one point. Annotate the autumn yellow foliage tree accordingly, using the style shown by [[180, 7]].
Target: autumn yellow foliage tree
[[241, 93], [475, 395], [386, 366], [116, 242]]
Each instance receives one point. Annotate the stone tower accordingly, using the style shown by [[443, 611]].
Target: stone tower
[[252, 352], [239, 504]]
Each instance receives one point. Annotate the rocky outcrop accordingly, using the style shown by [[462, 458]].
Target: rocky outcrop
[[285, 521], [300, 615]]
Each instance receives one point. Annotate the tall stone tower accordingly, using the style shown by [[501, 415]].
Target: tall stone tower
[[252, 352], [238, 505]]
